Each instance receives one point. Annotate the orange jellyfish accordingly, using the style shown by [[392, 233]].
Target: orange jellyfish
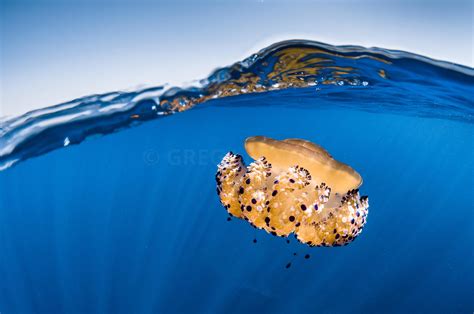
[[293, 186]]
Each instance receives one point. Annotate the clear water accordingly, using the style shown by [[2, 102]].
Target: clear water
[[130, 222]]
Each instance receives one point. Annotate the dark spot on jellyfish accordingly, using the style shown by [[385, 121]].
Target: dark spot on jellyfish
[[254, 201], [276, 181], [267, 202], [247, 181], [241, 190], [337, 236], [303, 207], [358, 214], [292, 218], [254, 240], [274, 192], [288, 265], [273, 233], [229, 219], [292, 181], [249, 208], [307, 256], [267, 220], [352, 221], [297, 224], [315, 206], [334, 231]]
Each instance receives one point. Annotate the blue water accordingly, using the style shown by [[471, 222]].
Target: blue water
[[130, 222]]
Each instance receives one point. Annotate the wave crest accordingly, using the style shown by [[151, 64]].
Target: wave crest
[[398, 81]]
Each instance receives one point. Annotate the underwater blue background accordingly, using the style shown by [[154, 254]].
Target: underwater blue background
[[108, 202], [131, 223]]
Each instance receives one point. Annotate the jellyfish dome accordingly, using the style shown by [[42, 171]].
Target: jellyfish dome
[[293, 186]]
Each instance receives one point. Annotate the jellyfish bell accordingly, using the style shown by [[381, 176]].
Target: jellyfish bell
[[293, 186], [323, 168]]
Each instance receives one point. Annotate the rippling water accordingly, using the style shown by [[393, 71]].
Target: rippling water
[[373, 79], [130, 222]]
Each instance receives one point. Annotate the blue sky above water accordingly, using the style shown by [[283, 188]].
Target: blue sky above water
[[54, 51]]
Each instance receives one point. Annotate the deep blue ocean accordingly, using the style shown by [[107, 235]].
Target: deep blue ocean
[[129, 222]]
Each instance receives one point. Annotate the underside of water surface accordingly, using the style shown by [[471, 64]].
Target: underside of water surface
[[371, 79], [130, 222]]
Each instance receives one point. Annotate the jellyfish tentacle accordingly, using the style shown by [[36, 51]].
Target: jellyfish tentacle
[[288, 200], [319, 197], [253, 198], [229, 172], [341, 226]]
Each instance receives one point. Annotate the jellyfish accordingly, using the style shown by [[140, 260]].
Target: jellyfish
[[295, 187]]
